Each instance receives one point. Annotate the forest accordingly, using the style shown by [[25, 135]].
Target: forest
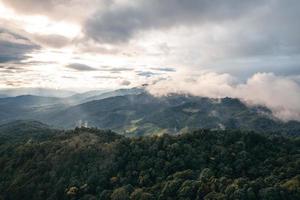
[[37, 162]]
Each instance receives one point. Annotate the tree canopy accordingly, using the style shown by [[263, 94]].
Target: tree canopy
[[98, 164]]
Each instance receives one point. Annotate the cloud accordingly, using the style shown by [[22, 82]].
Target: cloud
[[125, 83], [107, 77], [232, 36], [69, 77], [12, 69], [55, 41], [164, 69], [33, 6], [116, 69], [13, 47], [80, 67], [7, 67], [240, 38], [146, 73], [75, 10], [121, 22], [280, 94]]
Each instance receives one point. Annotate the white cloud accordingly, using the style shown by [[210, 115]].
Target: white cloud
[[240, 38], [280, 94]]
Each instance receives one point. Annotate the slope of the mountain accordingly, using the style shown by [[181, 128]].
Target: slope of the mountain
[[29, 107], [43, 108], [3, 96], [23, 130], [120, 92], [140, 113], [29, 100], [145, 114], [95, 164], [47, 92], [100, 94], [22, 125], [80, 98]]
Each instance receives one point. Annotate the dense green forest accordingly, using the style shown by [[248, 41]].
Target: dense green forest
[[37, 162]]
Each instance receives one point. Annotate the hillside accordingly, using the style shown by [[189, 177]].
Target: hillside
[[45, 92], [96, 164], [23, 130], [42, 108], [115, 93], [135, 112], [144, 114]]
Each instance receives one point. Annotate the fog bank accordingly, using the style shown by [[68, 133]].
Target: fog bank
[[279, 93]]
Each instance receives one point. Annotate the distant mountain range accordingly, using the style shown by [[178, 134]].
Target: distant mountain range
[[46, 92], [101, 94], [136, 112]]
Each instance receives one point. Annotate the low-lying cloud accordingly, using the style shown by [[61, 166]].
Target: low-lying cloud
[[280, 94]]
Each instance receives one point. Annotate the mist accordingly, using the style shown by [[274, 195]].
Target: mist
[[281, 94]]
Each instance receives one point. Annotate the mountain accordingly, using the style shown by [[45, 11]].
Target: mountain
[[81, 97], [101, 94], [100, 164], [22, 130], [120, 92], [3, 96], [28, 107], [44, 108], [136, 112], [144, 114], [25, 126], [46, 92]]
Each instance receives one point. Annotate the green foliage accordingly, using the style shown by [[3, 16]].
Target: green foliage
[[95, 164]]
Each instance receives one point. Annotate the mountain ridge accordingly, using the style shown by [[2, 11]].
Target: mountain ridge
[[137, 112], [140, 110]]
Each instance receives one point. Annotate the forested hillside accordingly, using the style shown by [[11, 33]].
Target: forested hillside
[[145, 114], [98, 164], [134, 112]]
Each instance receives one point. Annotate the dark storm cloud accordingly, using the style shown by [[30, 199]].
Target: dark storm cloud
[[13, 47], [120, 22], [81, 67]]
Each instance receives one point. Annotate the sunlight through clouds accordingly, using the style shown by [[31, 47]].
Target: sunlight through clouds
[[112, 44]]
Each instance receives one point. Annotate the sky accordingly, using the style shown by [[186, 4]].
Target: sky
[[108, 44]]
